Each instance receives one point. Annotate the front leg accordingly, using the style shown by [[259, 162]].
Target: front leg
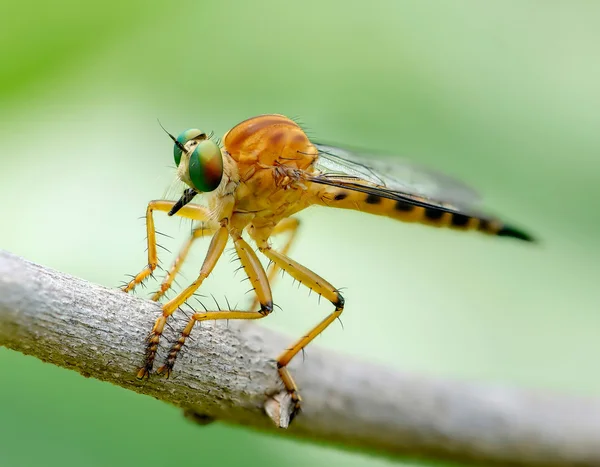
[[215, 250], [199, 232], [191, 211]]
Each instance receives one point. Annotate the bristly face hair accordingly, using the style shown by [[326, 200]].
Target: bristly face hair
[[176, 186], [199, 161], [189, 193]]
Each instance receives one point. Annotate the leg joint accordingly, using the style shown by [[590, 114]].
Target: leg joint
[[266, 308], [339, 303]]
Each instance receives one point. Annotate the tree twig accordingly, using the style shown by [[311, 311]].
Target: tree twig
[[227, 371]]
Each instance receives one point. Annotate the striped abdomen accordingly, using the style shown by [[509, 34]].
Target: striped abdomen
[[408, 212]]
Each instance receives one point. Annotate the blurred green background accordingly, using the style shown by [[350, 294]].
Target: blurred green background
[[503, 95]]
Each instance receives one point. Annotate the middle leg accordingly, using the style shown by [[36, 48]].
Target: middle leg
[[289, 224], [258, 278]]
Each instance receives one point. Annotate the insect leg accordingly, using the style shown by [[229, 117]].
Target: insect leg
[[320, 286], [217, 245], [191, 211], [289, 224], [258, 278], [199, 232]]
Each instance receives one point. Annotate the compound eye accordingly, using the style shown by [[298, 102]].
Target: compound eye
[[206, 166], [183, 138]]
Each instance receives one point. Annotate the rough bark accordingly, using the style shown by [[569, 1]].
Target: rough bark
[[227, 371]]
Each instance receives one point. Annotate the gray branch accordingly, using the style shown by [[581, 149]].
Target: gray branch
[[227, 372]]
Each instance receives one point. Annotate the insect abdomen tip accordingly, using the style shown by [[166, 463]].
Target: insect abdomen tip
[[507, 231]]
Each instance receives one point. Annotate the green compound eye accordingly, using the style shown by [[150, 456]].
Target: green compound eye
[[183, 138], [206, 166]]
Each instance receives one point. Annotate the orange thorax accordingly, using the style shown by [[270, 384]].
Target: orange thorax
[[264, 148]]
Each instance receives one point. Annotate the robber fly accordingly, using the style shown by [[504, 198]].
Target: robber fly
[[265, 171]]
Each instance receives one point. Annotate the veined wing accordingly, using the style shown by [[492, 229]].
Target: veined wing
[[394, 179]]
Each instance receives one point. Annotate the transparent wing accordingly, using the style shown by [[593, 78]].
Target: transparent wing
[[398, 176]]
